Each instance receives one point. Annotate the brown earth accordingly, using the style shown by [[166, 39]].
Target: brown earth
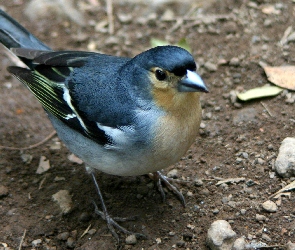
[[237, 139]]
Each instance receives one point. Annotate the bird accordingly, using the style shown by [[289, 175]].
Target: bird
[[122, 116]]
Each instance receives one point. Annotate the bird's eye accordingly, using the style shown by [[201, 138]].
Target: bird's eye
[[160, 74]]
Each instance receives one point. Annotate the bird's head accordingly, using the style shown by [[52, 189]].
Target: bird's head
[[172, 75]]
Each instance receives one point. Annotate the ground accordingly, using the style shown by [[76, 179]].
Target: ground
[[237, 139]]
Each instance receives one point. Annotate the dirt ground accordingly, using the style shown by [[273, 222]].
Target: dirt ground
[[237, 139]]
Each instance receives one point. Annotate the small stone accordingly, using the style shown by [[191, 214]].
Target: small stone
[[3, 191], [267, 23], [189, 194], [269, 206], [243, 211], [215, 211], [168, 15], [26, 158], [205, 192], [290, 246], [239, 244], [239, 160], [260, 161], [210, 66], [234, 61], [71, 242], [180, 243], [63, 236], [270, 147], [260, 217], [245, 155], [36, 243], [173, 174], [91, 231], [125, 18], [171, 233], [131, 239]]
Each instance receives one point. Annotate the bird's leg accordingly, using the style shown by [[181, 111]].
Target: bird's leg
[[111, 222], [159, 178]]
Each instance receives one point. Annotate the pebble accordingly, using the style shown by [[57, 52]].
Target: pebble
[[92, 231], [210, 66], [205, 192], [215, 211], [173, 174], [3, 191], [245, 155], [63, 236], [26, 158], [290, 246], [259, 161], [37, 242], [71, 242], [131, 239], [198, 182], [269, 206], [125, 18], [260, 217], [267, 23], [180, 243], [243, 211], [220, 235], [234, 61], [285, 162], [239, 244]]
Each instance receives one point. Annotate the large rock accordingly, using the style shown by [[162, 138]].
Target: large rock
[[285, 162], [220, 236]]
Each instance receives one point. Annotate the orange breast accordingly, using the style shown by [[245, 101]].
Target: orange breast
[[177, 130]]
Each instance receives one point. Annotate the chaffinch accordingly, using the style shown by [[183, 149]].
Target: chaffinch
[[122, 116]]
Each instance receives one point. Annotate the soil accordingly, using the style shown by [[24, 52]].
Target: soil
[[237, 139]]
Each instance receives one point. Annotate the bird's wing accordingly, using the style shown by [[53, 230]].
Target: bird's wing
[[52, 81]]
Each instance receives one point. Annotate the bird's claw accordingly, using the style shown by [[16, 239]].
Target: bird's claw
[[159, 178], [112, 224]]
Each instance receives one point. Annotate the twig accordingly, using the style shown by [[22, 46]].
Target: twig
[[266, 108], [86, 231], [22, 240], [31, 146], [110, 16]]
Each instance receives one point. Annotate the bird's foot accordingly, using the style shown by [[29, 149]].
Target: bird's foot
[[158, 177], [112, 223]]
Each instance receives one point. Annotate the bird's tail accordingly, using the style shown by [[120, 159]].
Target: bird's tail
[[13, 35]]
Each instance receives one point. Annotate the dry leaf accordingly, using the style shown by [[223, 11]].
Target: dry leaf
[[289, 187], [264, 91], [282, 76]]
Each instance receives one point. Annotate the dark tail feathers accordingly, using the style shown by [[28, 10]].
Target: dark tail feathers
[[13, 35]]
